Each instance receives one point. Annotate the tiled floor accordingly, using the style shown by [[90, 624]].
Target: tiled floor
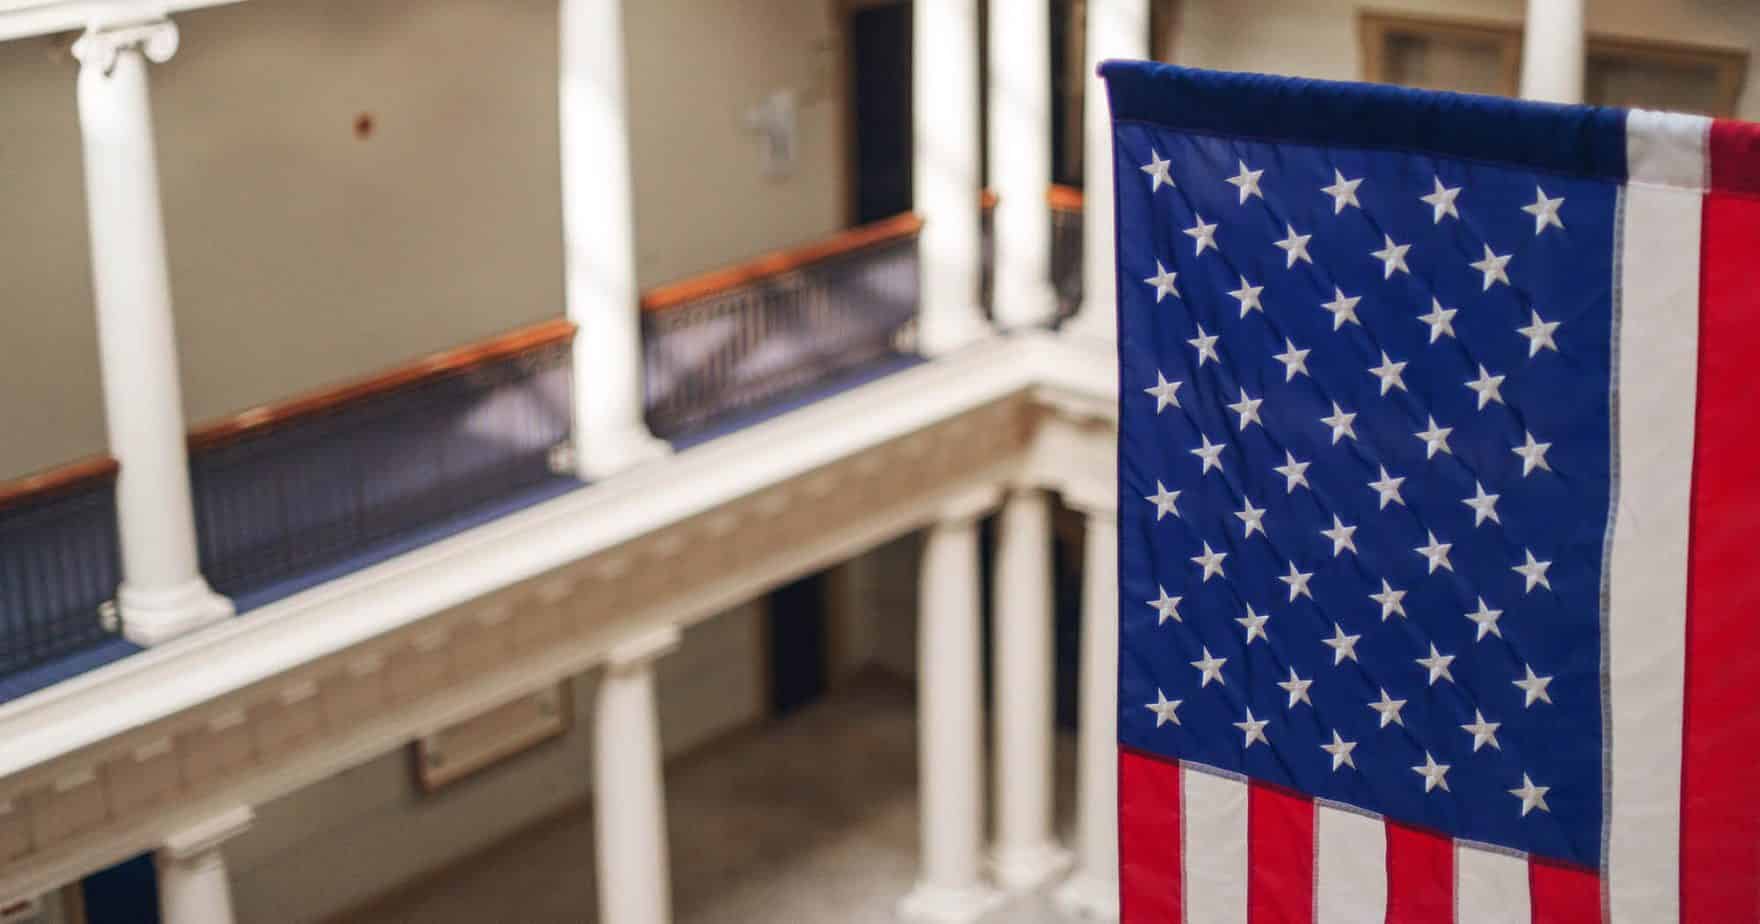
[[811, 819]]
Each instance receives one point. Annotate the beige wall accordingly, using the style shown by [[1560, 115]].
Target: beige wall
[[1318, 38], [354, 836], [302, 255]]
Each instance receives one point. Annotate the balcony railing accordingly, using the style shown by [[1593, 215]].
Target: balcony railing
[[1066, 247], [740, 337], [290, 488], [59, 563]]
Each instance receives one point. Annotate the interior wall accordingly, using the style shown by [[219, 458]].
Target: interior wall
[[352, 837], [304, 251], [1318, 38]]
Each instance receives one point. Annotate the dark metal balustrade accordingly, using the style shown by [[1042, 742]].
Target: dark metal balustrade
[[60, 563], [742, 337], [283, 491]]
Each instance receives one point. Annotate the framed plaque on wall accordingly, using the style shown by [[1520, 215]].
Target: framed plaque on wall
[[491, 737]]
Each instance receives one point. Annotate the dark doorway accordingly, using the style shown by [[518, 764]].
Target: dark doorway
[[880, 81], [799, 644], [127, 893]]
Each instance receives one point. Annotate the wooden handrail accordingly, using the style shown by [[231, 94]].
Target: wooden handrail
[[987, 199], [885, 231], [438, 365], [1063, 198], [59, 480]]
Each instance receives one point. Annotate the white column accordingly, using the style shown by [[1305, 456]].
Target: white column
[[1023, 708], [629, 790], [598, 243], [192, 870], [1020, 163], [1092, 890], [1115, 29], [163, 594], [950, 709], [944, 173], [1552, 51]]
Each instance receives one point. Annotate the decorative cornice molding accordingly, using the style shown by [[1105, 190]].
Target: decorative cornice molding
[[102, 43]]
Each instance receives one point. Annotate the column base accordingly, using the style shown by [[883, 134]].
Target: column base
[[937, 904], [1088, 896], [948, 336], [1021, 307], [155, 616], [1023, 869], [600, 455]]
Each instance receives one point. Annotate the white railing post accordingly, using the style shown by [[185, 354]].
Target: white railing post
[[1552, 51], [193, 888], [163, 594], [598, 231], [944, 173], [1020, 164], [629, 787], [1115, 29]]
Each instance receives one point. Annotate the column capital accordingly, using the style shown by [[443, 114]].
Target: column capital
[[969, 505], [207, 835], [102, 42], [1092, 497], [643, 648]]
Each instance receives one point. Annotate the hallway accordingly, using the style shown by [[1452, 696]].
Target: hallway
[[809, 819]]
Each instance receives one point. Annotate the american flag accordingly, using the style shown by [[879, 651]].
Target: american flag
[[1436, 506]]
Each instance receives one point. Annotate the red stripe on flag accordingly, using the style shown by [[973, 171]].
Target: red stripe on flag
[[1735, 157], [1280, 841], [1420, 876], [1563, 894], [1720, 855], [1149, 872]]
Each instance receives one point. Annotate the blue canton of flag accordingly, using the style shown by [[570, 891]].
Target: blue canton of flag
[[1365, 478]]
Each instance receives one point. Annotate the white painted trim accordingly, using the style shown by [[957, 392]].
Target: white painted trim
[[25, 18], [339, 614]]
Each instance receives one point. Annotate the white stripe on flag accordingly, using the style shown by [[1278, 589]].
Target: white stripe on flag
[[1656, 385], [1350, 852], [1490, 887], [1215, 848]]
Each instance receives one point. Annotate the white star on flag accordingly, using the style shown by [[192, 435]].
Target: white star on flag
[[1247, 181], [1342, 191], [1298, 583], [1204, 234], [1539, 334], [1533, 797], [1442, 200], [1487, 386], [1343, 646], [1254, 623], [1493, 266], [1534, 571], [1545, 211], [1340, 750], [1435, 438], [1210, 453], [1248, 296], [1296, 473], [1165, 393], [1533, 454], [1294, 247], [1164, 501], [1166, 607], [1205, 344], [1392, 601], [1210, 667], [1437, 664], [1166, 710], [1166, 283], [1390, 373], [1388, 708], [1392, 257], [1484, 505], [1436, 553], [1483, 732], [1157, 170], [1388, 488], [1255, 729], [1211, 562], [1343, 308], [1340, 422], [1340, 535], [1252, 518], [1486, 620], [1533, 687], [1297, 688], [1293, 360], [1248, 409], [1440, 319], [1433, 773]]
